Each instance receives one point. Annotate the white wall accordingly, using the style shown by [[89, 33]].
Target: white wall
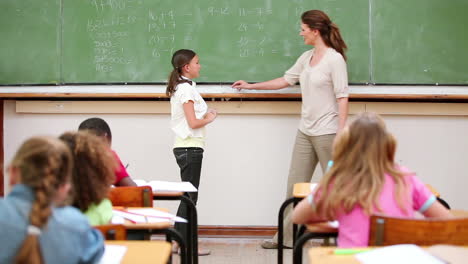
[[247, 155]]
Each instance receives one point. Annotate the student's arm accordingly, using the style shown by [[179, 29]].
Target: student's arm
[[437, 210], [127, 181], [342, 112], [274, 84], [192, 121], [425, 202], [304, 212]]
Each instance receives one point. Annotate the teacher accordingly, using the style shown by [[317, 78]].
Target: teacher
[[323, 78]]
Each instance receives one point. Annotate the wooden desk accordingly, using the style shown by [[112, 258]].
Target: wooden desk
[[143, 252], [301, 190], [459, 213]]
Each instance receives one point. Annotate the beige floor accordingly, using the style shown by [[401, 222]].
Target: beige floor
[[239, 251]]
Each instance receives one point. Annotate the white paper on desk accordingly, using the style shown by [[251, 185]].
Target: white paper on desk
[[401, 254], [113, 254], [166, 186], [132, 217], [153, 213]]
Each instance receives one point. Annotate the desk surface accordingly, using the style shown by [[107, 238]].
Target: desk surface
[[459, 213], [143, 252], [301, 190]]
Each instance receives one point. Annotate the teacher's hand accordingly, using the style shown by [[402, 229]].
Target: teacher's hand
[[241, 85]]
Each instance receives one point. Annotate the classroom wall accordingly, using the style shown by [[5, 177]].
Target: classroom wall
[[249, 147]]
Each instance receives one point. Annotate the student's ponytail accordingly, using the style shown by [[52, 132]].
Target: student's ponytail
[[44, 165], [174, 76], [179, 59], [329, 31]]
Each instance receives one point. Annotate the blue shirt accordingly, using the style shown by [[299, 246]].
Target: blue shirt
[[66, 238]]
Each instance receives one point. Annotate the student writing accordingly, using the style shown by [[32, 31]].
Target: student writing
[[99, 127], [364, 180], [35, 229]]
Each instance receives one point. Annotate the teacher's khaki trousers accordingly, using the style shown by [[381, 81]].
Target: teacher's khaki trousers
[[307, 152]]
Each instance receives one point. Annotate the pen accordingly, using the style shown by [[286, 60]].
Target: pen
[[349, 251]]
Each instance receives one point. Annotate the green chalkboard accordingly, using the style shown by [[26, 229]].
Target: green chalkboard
[[420, 41], [30, 44], [133, 41]]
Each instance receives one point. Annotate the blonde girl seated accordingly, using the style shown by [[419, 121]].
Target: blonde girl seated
[[34, 229], [365, 180], [93, 175]]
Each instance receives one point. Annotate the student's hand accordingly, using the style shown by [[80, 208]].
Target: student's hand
[[211, 115], [240, 85], [212, 110]]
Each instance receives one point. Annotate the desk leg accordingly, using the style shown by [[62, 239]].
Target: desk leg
[[193, 229], [192, 244], [280, 228], [297, 250], [294, 234], [172, 233]]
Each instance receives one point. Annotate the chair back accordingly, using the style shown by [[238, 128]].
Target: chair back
[[134, 196], [112, 232], [386, 231]]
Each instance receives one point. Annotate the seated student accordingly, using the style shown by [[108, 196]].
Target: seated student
[[92, 175], [100, 128], [33, 228], [364, 180]]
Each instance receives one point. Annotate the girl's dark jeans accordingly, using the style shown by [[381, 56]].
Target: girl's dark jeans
[[190, 163]]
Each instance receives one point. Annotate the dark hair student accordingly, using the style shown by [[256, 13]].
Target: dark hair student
[[180, 58]]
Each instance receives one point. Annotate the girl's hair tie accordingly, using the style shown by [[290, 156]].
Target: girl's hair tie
[[34, 230]]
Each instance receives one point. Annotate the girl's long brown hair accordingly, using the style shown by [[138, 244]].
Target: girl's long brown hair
[[94, 169], [44, 165], [362, 155], [180, 58], [329, 31]]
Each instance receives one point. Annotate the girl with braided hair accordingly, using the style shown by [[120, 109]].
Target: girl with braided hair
[[35, 228]]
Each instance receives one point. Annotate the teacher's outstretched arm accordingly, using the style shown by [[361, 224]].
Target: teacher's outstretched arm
[[274, 84]]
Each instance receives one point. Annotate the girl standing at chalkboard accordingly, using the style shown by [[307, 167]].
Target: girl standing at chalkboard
[[189, 116], [323, 78]]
